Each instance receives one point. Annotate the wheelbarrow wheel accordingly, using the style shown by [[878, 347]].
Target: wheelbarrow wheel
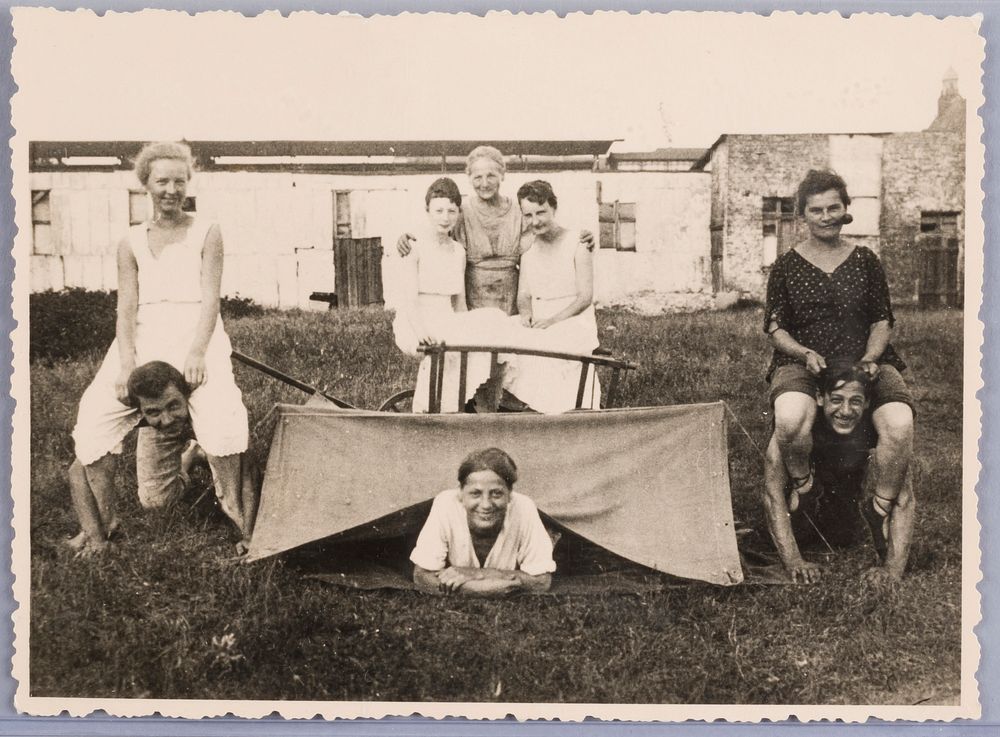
[[399, 402]]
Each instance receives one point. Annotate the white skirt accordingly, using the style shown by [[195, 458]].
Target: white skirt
[[549, 385], [164, 332], [485, 326]]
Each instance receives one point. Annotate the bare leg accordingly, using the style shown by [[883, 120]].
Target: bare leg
[[93, 500], [794, 413], [892, 491], [236, 489], [778, 519]]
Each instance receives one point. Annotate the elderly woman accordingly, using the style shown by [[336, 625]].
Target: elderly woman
[[555, 305], [483, 539], [169, 276], [827, 298], [490, 229]]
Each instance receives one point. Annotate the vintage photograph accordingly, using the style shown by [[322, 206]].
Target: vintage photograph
[[607, 365]]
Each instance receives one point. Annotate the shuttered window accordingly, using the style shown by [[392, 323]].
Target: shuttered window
[[617, 222]]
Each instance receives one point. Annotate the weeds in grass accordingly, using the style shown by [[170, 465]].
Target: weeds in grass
[[169, 616]]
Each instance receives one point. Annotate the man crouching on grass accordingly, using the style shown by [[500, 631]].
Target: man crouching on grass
[[845, 465], [165, 454]]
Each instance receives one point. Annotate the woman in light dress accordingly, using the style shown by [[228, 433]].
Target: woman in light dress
[[169, 275], [434, 307], [555, 306], [491, 229]]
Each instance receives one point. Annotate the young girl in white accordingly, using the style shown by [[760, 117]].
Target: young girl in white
[[169, 275], [434, 308]]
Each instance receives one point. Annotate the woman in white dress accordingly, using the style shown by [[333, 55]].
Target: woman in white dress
[[169, 276], [555, 305], [434, 308]]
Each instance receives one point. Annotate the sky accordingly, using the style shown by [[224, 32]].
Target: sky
[[678, 79]]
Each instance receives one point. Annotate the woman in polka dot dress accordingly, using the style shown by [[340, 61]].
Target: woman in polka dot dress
[[826, 299]]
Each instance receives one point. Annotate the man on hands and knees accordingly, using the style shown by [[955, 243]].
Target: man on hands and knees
[[483, 539], [848, 467], [165, 453]]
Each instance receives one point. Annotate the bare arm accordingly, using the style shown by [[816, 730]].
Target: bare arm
[[523, 299], [128, 305], [584, 262], [878, 341], [211, 284], [479, 581], [411, 288], [783, 341], [901, 531], [778, 520]]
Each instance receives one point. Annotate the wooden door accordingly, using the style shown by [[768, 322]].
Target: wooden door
[[357, 264], [938, 271]]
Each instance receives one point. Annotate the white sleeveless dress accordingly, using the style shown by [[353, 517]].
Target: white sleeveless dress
[[440, 272], [167, 317], [547, 385]]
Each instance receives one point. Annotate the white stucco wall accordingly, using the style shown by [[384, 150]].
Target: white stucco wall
[[278, 228]]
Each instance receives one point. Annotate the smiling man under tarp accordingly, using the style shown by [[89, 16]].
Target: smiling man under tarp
[[649, 485]]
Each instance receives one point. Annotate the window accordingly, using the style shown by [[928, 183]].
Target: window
[[940, 223], [617, 222], [41, 221], [778, 218], [341, 214]]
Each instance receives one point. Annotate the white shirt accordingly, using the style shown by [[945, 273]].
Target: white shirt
[[445, 540]]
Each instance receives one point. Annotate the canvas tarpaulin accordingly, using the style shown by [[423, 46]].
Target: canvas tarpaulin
[[650, 485]]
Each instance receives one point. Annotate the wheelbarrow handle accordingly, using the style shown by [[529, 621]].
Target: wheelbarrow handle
[[285, 378]]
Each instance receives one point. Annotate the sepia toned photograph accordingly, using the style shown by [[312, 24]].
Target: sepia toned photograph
[[610, 365]]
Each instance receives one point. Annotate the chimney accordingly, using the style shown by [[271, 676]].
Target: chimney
[[949, 90]]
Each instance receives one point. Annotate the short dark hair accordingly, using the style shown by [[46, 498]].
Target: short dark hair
[[152, 379], [818, 181], [489, 459], [839, 372], [539, 191], [443, 187]]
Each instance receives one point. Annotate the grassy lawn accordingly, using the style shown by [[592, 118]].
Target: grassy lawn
[[152, 619]]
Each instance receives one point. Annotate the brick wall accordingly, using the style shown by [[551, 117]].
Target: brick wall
[[921, 171], [760, 166]]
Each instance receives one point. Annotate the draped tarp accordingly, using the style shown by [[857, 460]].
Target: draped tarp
[[650, 485]]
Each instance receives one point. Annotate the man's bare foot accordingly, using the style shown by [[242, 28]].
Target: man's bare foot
[[190, 455], [92, 548], [805, 572], [881, 576], [79, 540]]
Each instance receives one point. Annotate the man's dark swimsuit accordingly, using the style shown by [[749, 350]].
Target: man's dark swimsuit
[[840, 463]]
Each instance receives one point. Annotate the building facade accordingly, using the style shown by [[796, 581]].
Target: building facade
[[676, 228], [907, 191], [297, 219]]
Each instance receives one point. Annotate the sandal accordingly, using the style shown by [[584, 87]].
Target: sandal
[[877, 515], [799, 485]]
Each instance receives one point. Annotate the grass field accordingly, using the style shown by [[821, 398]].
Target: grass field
[[168, 616]]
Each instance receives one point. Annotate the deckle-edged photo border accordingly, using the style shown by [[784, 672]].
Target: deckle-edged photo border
[[24, 122]]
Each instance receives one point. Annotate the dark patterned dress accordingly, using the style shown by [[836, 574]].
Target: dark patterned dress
[[831, 314]]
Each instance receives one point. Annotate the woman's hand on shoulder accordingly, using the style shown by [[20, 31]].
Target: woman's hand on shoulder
[[587, 239]]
